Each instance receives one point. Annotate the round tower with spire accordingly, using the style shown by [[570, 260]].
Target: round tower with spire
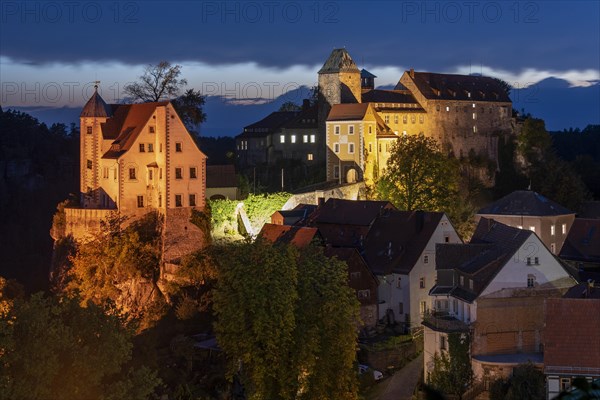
[[94, 114]]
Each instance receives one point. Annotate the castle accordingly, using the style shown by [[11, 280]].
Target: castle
[[465, 114], [135, 158]]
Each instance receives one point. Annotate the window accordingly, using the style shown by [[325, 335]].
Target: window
[[160, 173], [351, 148], [115, 174], [422, 283], [150, 174], [370, 147], [565, 384], [474, 128], [425, 259], [471, 284], [446, 239], [421, 119], [178, 200], [336, 130], [89, 164], [520, 226], [132, 174], [364, 294], [336, 147], [193, 174], [351, 130], [355, 275], [150, 148], [552, 230], [400, 308], [564, 229], [532, 228], [399, 282], [140, 201], [447, 108], [309, 156], [530, 281], [293, 139], [442, 342], [89, 130], [553, 248], [178, 173], [142, 149], [105, 173], [462, 281], [336, 171], [413, 119], [192, 200], [370, 129], [404, 119], [151, 129], [178, 147], [536, 260], [474, 115], [160, 200], [386, 118], [528, 260], [160, 147], [313, 138], [404, 133], [437, 107], [304, 138], [423, 307]]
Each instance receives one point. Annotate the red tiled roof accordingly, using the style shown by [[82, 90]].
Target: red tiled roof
[[347, 112], [298, 236], [572, 335]]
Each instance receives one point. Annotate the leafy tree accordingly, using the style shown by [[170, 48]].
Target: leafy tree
[[452, 373], [526, 383], [286, 322], [189, 107], [54, 348], [534, 140], [289, 106], [159, 82], [419, 176]]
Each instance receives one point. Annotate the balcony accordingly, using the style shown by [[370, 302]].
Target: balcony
[[442, 321]]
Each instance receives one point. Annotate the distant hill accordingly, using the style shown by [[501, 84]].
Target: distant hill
[[553, 100]]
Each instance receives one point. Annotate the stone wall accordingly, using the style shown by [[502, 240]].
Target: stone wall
[[392, 358], [83, 223], [351, 191]]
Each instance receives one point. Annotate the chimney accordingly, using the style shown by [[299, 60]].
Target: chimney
[[412, 73]]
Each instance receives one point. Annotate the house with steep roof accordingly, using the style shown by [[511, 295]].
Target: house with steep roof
[[571, 339], [465, 114], [526, 209], [500, 263], [400, 249], [581, 249], [137, 157]]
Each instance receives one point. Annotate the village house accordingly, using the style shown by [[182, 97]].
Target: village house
[[494, 287], [526, 209], [572, 338], [221, 182]]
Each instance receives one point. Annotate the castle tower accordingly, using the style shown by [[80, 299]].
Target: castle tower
[[339, 82], [94, 113]]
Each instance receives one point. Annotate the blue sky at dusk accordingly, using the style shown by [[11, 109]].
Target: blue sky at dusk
[[50, 52]]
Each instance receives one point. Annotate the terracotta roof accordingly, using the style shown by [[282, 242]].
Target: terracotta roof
[[583, 241], [347, 112], [458, 87], [389, 96], [339, 61], [349, 212], [298, 236], [578, 348], [126, 124], [220, 176], [397, 239], [268, 125], [96, 107], [524, 202]]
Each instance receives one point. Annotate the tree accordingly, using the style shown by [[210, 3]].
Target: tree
[[289, 106], [452, 373], [189, 108], [527, 383], [54, 348], [286, 322], [159, 82]]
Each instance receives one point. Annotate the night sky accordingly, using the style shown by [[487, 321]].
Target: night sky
[[51, 52]]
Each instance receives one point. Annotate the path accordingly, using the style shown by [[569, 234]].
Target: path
[[402, 384]]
